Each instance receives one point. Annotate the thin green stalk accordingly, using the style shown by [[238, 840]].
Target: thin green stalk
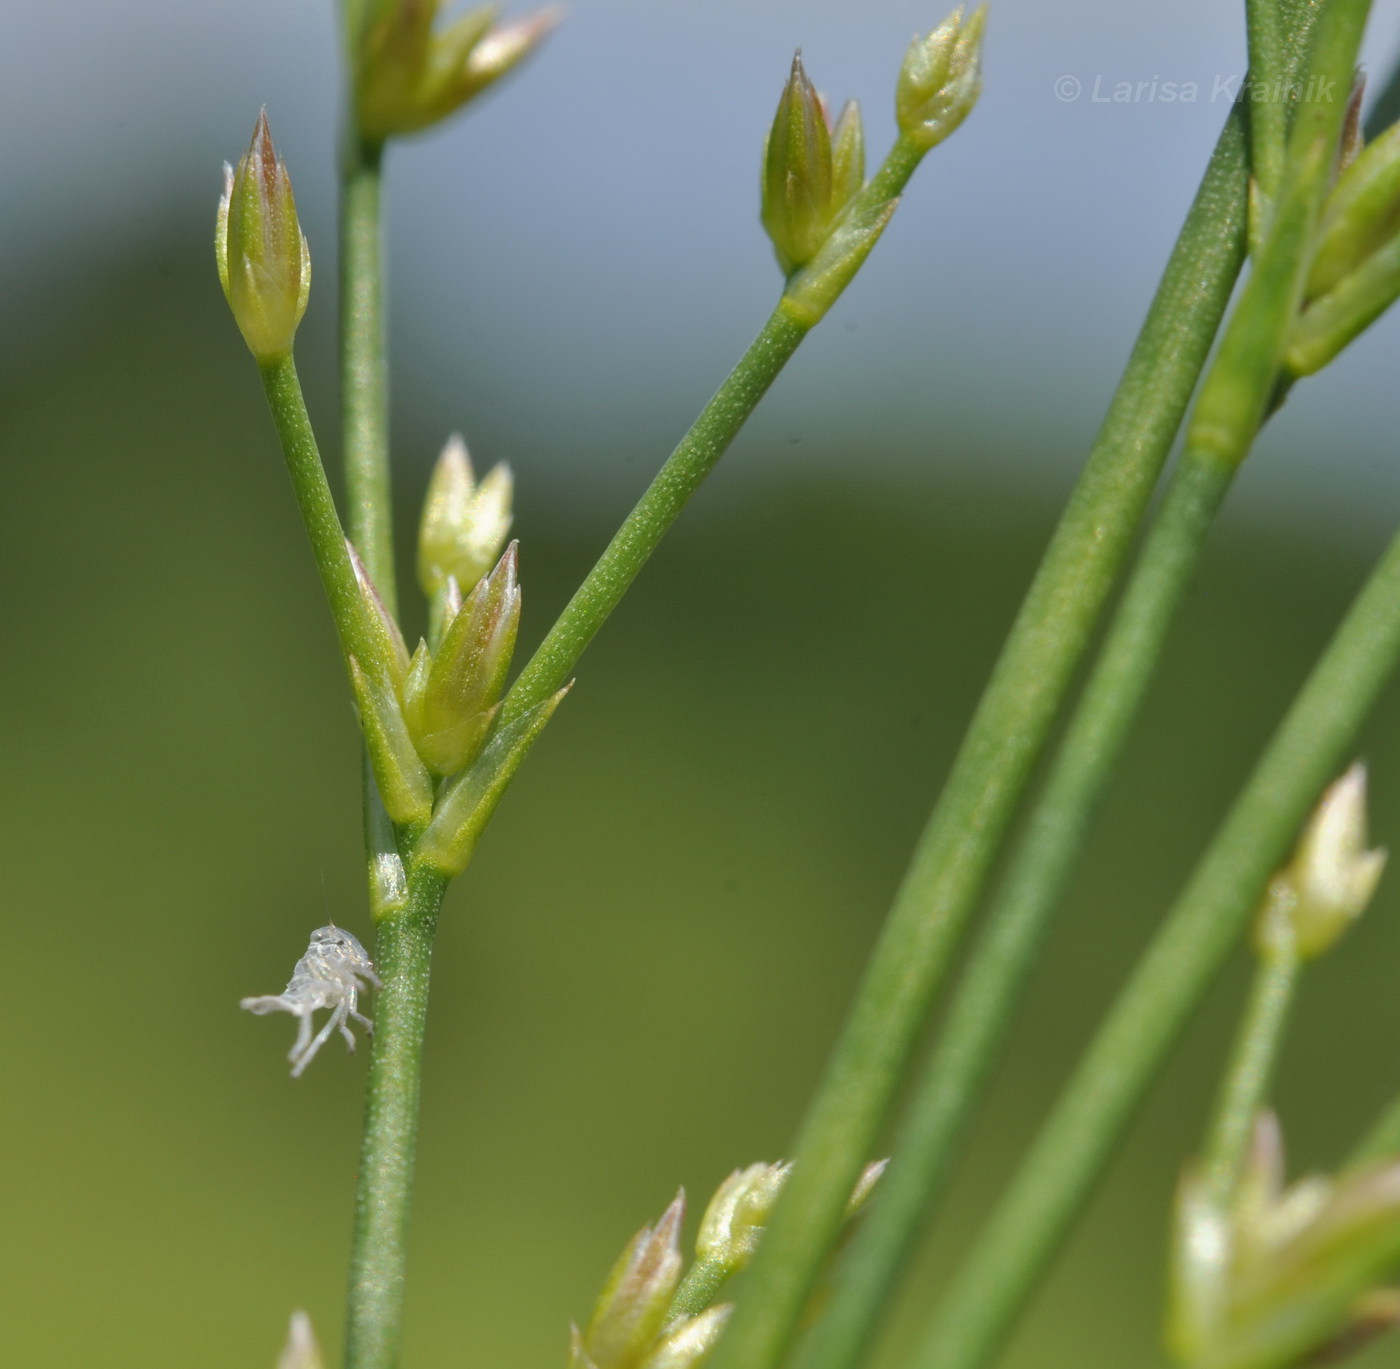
[[989, 1291], [364, 378], [1268, 106], [1245, 1086], [955, 852], [696, 456], [1187, 953], [318, 512], [982, 1009], [403, 955], [1383, 1139]]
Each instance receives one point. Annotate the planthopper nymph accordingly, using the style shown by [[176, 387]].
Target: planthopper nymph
[[330, 975]]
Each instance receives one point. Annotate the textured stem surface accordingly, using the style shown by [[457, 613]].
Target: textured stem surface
[[403, 952]]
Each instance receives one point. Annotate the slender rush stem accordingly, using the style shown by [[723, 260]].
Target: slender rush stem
[[1245, 1086], [983, 1007], [1036, 665], [403, 954], [1383, 1139], [1268, 107], [1183, 959], [998, 1277], [364, 377]]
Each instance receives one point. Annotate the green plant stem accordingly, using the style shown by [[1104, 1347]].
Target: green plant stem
[[1268, 72], [980, 1015], [1383, 1139], [403, 953], [364, 377], [1016, 1245], [699, 1288], [317, 506], [1183, 959], [993, 765], [1245, 1086]]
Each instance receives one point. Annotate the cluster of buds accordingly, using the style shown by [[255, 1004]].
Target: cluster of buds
[[941, 79], [1329, 881], [647, 1316], [264, 265], [1355, 272], [410, 74], [1284, 1276], [434, 715], [811, 170]]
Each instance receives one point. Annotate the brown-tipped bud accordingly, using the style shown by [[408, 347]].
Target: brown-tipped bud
[[1330, 879], [941, 78], [264, 264], [633, 1304], [686, 1343], [468, 672], [464, 524], [392, 653], [808, 181], [301, 1350], [409, 77]]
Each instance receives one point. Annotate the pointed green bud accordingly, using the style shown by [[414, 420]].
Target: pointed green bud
[[415, 687], [1330, 879], [1329, 324], [941, 79], [301, 1350], [468, 672], [464, 523], [1361, 215], [444, 606], [809, 175], [734, 1221], [686, 1343], [467, 803], [384, 631], [404, 784], [632, 1307], [264, 265], [409, 77]]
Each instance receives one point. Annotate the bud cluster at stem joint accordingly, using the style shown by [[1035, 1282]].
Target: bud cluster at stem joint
[[1329, 881], [1355, 272], [1281, 1276], [647, 1316], [410, 74], [264, 265]]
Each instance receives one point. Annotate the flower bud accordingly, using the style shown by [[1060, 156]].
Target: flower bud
[[464, 523], [301, 1350], [687, 1342], [456, 704], [807, 183], [264, 265], [1361, 214], [404, 785], [633, 1304], [941, 79], [735, 1220], [1283, 1276], [1330, 879], [409, 77], [391, 653], [465, 806]]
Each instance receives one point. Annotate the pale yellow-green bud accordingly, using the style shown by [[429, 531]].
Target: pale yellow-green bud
[[685, 1343], [1329, 881], [632, 1307], [404, 784], [264, 264], [410, 76], [301, 1350], [941, 78], [734, 1221], [464, 524]]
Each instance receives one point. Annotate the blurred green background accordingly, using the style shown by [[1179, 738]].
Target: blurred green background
[[639, 978]]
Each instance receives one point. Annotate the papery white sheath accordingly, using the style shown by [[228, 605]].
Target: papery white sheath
[[330, 975]]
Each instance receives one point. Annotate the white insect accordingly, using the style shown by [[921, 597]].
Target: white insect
[[330, 975]]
